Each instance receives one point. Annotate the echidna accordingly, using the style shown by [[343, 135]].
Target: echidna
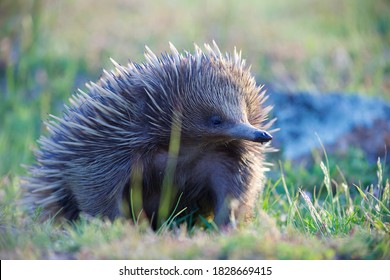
[[125, 124]]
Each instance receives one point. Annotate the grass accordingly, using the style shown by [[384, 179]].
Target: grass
[[336, 208], [333, 223]]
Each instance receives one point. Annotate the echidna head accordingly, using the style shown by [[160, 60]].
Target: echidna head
[[223, 103]]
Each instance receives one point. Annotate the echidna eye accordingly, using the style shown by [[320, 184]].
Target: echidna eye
[[216, 120]]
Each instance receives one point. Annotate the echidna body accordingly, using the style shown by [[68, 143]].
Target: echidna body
[[123, 126]]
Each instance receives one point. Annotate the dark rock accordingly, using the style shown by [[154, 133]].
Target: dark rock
[[341, 121]]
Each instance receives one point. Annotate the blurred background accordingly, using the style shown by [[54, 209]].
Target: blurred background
[[48, 49]]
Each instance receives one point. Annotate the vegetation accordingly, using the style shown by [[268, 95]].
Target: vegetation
[[336, 208]]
